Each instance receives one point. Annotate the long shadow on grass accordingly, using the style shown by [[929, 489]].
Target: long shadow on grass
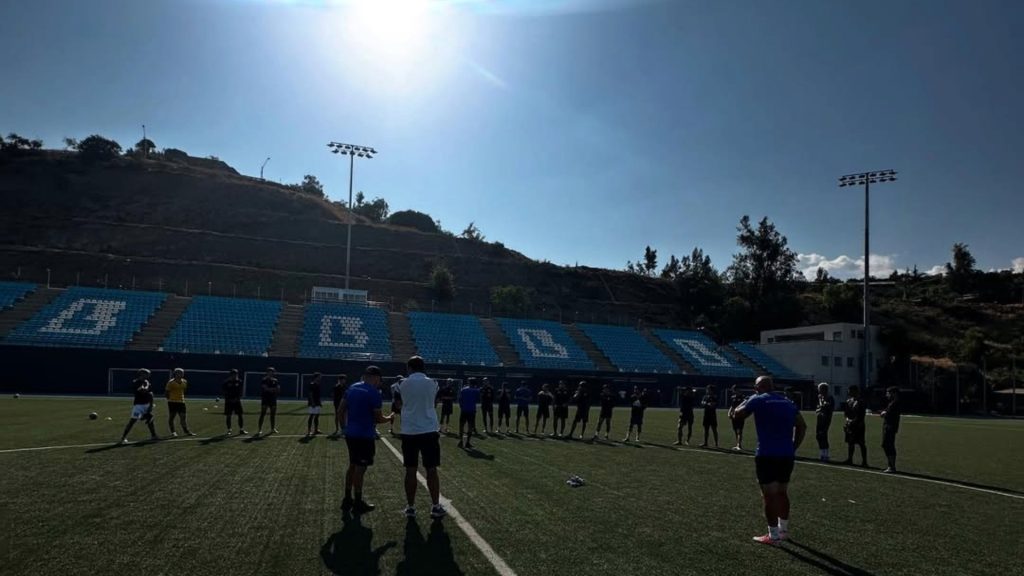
[[138, 444], [478, 455], [961, 483], [431, 556], [822, 561], [214, 439], [351, 551]]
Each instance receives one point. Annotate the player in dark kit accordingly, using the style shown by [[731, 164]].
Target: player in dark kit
[[561, 409], [469, 396], [142, 406], [522, 396], [544, 400], [823, 416], [890, 426], [582, 399], [735, 399], [314, 404], [270, 389], [504, 407], [685, 415], [447, 397], [607, 400], [638, 404], [855, 410], [340, 387], [487, 406], [232, 392], [710, 422]]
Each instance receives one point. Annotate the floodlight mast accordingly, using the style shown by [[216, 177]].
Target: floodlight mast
[[351, 150], [867, 179]]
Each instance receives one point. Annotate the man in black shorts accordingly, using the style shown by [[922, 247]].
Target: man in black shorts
[[447, 398], [232, 392], [890, 426], [637, 406], [823, 420], [582, 399], [504, 407], [340, 387], [487, 406], [420, 436], [544, 400], [710, 421], [523, 396], [142, 406], [270, 389], [735, 399], [360, 413], [314, 405], [855, 410], [561, 409], [780, 431], [607, 400], [685, 415]]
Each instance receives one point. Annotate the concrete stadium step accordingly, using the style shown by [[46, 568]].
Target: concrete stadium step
[[500, 342], [667, 350], [26, 308], [286, 334], [593, 352], [402, 344], [159, 327]]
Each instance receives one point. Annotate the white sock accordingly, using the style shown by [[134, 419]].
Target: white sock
[[773, 532], [783, 525]]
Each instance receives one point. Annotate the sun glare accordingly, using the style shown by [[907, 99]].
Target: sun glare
[[396, 31]]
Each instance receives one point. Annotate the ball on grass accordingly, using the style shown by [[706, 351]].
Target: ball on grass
[[109, 418], [206, 409], [216, 400], [16, 395], [93, 416]]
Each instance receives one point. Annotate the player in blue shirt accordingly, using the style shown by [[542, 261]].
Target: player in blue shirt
[[360, 412], [523, 396], [469, 397], [780, 430]]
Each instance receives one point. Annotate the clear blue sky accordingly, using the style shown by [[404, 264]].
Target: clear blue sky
[[571, 130]]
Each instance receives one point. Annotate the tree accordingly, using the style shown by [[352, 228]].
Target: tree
[[442, 281], [972, 347], [510, 300], [960, 272], [698, 286], [765, 263], [310, 185], [671, 269], [473, 233], [70, 143], [650, 261], [413, 219], [821, 276], [842, 302], [96, 148], [15, 143], [145, 147], [376, 210]]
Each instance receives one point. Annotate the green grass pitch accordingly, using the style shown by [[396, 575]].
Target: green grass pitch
[[214, 506]]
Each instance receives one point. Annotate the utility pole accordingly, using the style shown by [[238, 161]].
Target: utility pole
[[262, 165]]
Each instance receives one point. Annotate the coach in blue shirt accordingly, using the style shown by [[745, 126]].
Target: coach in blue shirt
[[359, 413], [780, 430]]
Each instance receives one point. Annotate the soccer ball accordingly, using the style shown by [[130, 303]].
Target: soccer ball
[[16, 396], [217, 400], [206, 409], [93, 416]]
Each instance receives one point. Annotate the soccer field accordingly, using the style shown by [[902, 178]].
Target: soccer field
[[215, 506]]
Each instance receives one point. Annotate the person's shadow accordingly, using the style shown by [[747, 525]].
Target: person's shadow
[[350, 551], [478, 455], [429, 557], [822, 561]]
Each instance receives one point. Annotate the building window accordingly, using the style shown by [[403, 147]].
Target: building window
[[837, 335], [849, 361], [839, 361], [824, 361]]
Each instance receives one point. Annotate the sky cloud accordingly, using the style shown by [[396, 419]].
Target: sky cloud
[[937, 270], [844, 267], [1018, 265]]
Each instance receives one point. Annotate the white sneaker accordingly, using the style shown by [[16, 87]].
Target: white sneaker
[[242, 432], [174, 434], [437, 512], [229, 432], [410, 512], [275, 431], [123, 441]]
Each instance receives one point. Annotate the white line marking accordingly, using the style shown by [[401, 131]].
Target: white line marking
[[499, 564], [160, 441]]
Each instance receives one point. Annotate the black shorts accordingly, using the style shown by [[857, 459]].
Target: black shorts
[[487, 409], [582, 415], [361, 450], [446, 408], [505, 410], [737, 424], [176, 408], [686, 418], [854, 434], [561, 411], [710, 420], [522, 411], [544, 412], [636, 419], [232, 407], [606, 414], [427, 444], [271, 402], [468, 418], [772, 469]]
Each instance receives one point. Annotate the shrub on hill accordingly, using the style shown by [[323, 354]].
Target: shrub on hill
[[413, 219], [96, 148]]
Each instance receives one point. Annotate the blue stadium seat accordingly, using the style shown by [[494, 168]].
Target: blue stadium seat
[[89, 318], [451, 339], [702, 352], [764, 360], [627, 349], [11, 292], [345, 331], [218, 325], [544, 344]]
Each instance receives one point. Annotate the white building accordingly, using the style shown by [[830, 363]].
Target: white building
[[827, 352]]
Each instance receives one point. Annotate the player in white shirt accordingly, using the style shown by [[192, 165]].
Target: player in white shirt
[[420, 435]]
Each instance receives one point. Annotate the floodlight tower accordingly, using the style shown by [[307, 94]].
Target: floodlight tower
[[352, 150], [867, 179]]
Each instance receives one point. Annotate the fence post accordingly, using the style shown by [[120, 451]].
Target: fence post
[[47, 277]]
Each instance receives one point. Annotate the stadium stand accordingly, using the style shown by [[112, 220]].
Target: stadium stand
[[88, 318], [702, 353], [345, 331], [765, 361], [451, 339], [627, 349], [218, 325], [545, 344], [12, 292]]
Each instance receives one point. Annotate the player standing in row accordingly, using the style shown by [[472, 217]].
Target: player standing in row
[[582, 399], [855, 410], [232, 393], [638, 404], [420, 435], [270, 389], [685, 415], [447, 397], [544, 400], [396, 403], [504, 407], [890, 426], [360, 412], [340, 387], [561, 409], [735, 399], [315, 405], [175, 392], [607, 400], [487, 407], [780, 431], [523, 396], [823, 420], [710, 421], [142, 406], [468, 399]]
